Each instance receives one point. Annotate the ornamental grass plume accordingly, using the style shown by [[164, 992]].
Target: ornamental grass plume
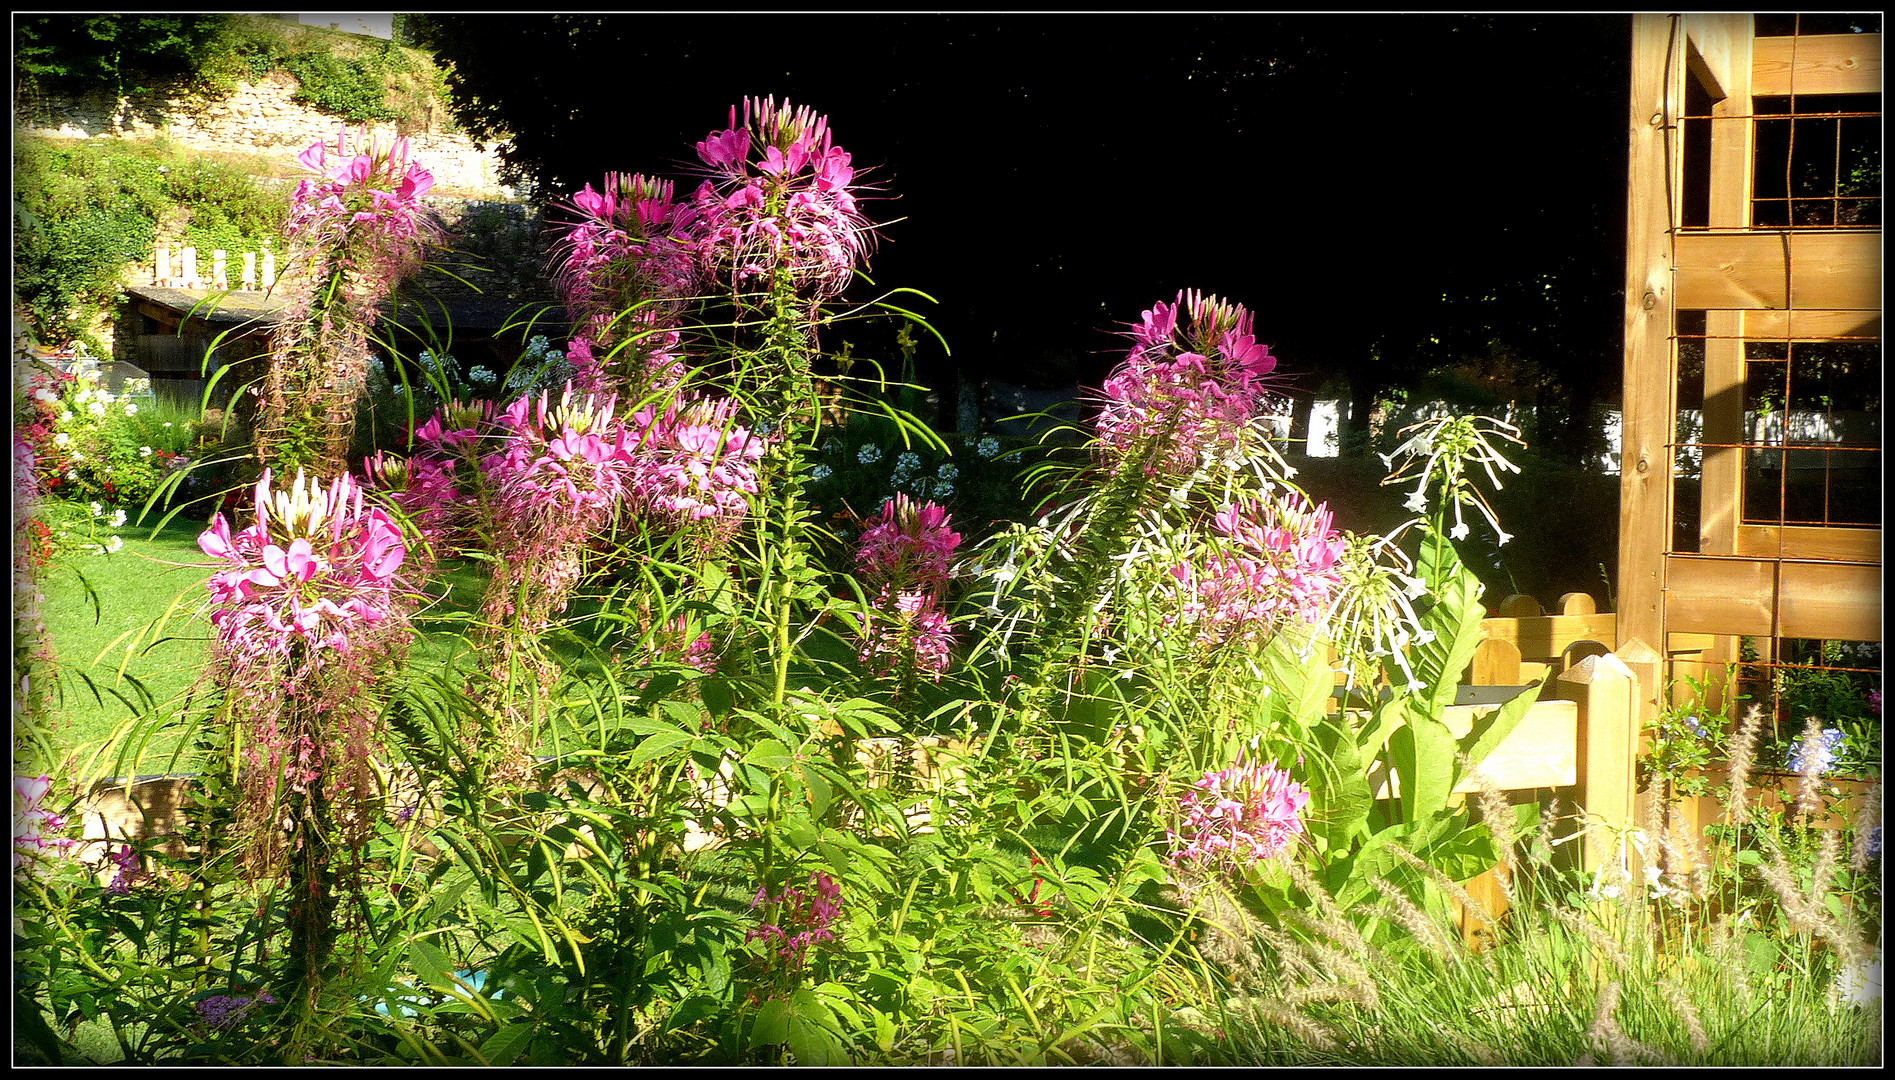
[[357, 228], [1183, 391], [1238, 816]]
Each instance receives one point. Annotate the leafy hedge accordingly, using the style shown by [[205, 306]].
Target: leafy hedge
[[84, 211]]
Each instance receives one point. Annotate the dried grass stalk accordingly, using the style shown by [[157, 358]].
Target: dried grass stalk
[[1409, 916], [1468, 903], [1743, 756], [1868, 820], [1681, 1004], [1809, 776]]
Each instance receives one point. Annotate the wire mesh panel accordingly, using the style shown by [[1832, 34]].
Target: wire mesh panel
[[1769, 168]]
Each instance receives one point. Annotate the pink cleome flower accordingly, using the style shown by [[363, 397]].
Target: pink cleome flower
[[907, 628], [694, 463], [367, 196], [1186, 389], [1282, 565], [804, 917], [1238, 816], [35, 829], [908, 545], [789, 205], [316, 567]]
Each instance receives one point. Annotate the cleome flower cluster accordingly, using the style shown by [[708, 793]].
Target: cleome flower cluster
[[906, 555], [1182, 389], [1238, 816], [316, 567], [1281, 565], [803, 917]]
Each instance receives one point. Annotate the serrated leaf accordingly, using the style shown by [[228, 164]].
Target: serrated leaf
[[770, 754], [1491, 730]]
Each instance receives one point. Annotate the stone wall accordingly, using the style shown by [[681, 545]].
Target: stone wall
[[260, 118]]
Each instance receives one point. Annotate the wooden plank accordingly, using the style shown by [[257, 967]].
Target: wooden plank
[[1721, 498], [1496, 663], [1740, 596], [1811, 325], [1607, 736], [1676, 643], [1827, 270], [1577, 603], [1719, 51], [1546, 637], [1816, 64], [1806, 542], [1653, 191], [1832, 600], [1540, 752]]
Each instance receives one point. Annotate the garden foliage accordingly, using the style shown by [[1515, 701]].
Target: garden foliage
[[705, 780]]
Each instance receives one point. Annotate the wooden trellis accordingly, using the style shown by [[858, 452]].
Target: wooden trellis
[[1742, 261]]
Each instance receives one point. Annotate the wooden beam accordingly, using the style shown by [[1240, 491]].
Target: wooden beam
[[1809, 542], [1719, 54], [1546, 637], [1652, 211], [1541, 752], [1739, 596], [1786, 268], [1811, 325], [1817, 64]]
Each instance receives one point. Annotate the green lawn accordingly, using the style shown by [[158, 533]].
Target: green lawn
[[102, 613]]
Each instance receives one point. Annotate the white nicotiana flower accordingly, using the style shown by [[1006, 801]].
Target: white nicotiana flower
[[988, 447], [869, 454], [820, 473], [1459, 531], [1417, 502]]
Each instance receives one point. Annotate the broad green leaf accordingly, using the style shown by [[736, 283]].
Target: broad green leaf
[[1491, 730], [654, 746], [507, 1044], [772, 1024], [770, 754]]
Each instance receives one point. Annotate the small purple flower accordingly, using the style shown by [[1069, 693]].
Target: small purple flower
[[1691, 722], [130, 873], [221, 1012]]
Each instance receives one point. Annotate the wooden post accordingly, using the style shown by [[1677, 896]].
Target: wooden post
[[269, 270], [250, 270], [1733, 154], [1607, 693], [187, 273], [1652, 210], [220, 262], [163, 263]]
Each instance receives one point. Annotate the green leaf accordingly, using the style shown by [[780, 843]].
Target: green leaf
[[657, 745], [819, 791], [770, 754], [772, 1024], [507, 1044], [1492, 729]]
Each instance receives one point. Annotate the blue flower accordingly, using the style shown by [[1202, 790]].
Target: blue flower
[[1822, 755]]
